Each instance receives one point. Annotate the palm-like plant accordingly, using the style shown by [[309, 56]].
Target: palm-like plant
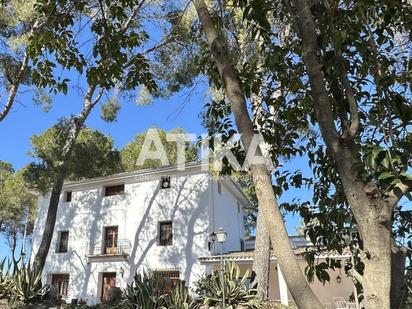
[[236, 293], [144, 293], [6, 282], [180, 299], [20, 286], [27, 285]]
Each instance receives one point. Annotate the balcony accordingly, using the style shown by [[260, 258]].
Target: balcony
[[119, 248]]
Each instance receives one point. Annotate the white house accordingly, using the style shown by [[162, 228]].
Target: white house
[[156, 220]]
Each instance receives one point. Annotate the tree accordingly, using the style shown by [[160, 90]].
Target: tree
[[116, 60], [6, 171], [295, 279], [17, 211], [18, 21], [131, 152], [372, 207], [254, 223], [348, 73], [93, 155]]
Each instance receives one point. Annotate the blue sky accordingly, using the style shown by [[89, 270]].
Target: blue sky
[[26, 119]]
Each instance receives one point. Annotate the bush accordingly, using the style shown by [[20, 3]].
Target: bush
[[27, 286], [144, 293], [6, 281], [114, 295], [180, 299], [21, 288], [210, 289]]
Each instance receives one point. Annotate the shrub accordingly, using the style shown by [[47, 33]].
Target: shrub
[[114, 295], [27, 286], [236, 294], [21, 288], [144, 293], [180, 299], [6, 281]]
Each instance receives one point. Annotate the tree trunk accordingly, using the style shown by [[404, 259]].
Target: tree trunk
[[398, 286], [261, 258], [371, 212], [295, 279], [376, 281], [13, 248], [41, 255], [14, 87], [77, 124]]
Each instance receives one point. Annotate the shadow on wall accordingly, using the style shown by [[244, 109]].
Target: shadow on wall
[[185, 203], [84, 213]]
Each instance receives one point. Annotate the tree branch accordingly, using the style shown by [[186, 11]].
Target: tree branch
[[133, 16], [16, 83], [98, 97], [15, 87], [323, 107], [357, 276], [375, 52], [350, 96]]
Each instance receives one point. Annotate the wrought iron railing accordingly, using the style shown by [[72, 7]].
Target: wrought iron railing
[[110, 248]]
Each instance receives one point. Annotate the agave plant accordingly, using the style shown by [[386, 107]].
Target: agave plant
[[210, 289], [27, 285], [6, 281], [144, 293], [180, 299]]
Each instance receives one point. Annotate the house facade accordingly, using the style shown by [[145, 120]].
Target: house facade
[[157, 221]]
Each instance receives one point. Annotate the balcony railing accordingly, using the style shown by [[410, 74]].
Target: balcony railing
[[120, 247]]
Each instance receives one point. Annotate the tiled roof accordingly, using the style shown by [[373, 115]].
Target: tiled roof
[[247, 256], [133, 173]]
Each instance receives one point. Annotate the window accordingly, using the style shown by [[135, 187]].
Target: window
[[114, 190], [110, 239], [219, 187], [63, 243], [61, 282], [165, 182], [167, 279], [165, 237], [68, 196], [238, 207]]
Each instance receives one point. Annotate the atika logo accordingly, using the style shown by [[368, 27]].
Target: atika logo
[[154, 149]]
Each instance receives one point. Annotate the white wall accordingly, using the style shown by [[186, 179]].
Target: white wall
[[227, 216], [137, 213], [193, 204]]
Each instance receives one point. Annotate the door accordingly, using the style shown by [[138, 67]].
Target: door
[[110, 240], [108, 282]]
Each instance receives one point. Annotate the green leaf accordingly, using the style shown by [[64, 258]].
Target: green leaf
[[385, 175]]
